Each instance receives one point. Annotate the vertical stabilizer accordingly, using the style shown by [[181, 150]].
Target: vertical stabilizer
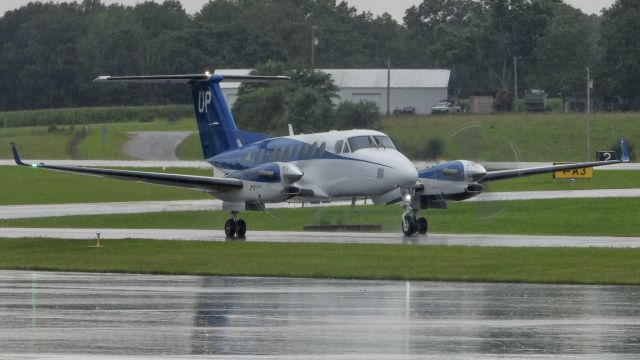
[[218, 130]]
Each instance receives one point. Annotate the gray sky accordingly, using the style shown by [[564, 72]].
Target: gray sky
[[394, 7]]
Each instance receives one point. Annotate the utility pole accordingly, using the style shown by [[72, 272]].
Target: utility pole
[[388, 85], [588, 92], [314, 42], [589, 86], [515, 77]]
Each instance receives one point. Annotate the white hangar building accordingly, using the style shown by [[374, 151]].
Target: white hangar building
[[417, 88]]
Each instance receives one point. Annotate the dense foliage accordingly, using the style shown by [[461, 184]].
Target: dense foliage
[[50, 52]]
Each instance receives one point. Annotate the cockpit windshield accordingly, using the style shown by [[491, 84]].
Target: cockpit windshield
[[365, 141]]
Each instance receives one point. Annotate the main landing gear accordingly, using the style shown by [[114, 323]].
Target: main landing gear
[[235, 228]]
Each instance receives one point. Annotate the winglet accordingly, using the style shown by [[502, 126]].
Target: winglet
[[625, 151], [16, 156]]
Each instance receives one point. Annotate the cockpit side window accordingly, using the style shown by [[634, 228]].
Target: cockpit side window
[[338, 147], [384, 142], [346, 148]]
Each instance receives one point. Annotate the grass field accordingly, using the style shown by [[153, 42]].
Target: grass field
[[590, 217], [497, 137], [22, 185], [512, 137], [492, 137], [344, 261], [46, 142]]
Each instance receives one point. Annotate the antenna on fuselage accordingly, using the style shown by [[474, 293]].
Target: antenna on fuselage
[[290, 130]]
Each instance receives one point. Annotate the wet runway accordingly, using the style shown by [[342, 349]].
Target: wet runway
[[129, 315], [331, 237]]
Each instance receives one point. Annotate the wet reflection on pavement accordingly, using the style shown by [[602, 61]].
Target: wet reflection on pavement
[[118, 314]]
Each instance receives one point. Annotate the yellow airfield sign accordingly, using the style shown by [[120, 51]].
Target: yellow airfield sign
[[582, 173]]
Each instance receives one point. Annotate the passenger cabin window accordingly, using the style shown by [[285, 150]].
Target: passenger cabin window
[[298, 151], [260, 155], [289, 152], [338, 147], [305, 150], [321, 149], [249, 155]]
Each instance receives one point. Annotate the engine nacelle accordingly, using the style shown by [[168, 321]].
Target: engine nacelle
[[266, 183], [475, 189]]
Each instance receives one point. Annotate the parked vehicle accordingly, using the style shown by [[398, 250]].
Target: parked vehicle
[[445, 107], [405, 110]]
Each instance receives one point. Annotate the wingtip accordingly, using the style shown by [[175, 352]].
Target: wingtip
[[16, 155], [101, 78], [625, 151]]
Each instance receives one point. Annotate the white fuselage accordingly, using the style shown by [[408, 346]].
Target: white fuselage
[[334, 170]]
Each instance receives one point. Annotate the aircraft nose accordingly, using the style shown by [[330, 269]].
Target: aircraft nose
[[407, 173]]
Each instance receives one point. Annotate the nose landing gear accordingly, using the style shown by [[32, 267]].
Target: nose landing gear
[[411, 223]]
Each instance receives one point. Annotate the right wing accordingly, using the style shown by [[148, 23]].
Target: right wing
[[515, 173], [204, 183]]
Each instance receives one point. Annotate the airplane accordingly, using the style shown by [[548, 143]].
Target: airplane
[[254, 169]]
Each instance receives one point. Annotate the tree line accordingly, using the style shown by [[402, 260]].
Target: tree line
[[50, 52]]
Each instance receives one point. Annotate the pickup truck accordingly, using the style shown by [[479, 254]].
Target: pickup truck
[[444, 107]]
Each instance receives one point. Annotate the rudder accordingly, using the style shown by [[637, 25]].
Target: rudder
[[218, 130]]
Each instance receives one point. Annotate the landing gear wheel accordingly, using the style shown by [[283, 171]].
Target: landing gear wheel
[[241, 228], [422, 225], [230, 228], [408, 225]]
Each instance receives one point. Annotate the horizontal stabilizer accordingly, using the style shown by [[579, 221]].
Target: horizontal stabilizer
[[186, 78]]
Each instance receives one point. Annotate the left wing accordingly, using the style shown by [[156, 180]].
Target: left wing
[[508, 174], [205, 183]]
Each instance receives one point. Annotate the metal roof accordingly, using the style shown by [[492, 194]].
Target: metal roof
[[400, 78], [371, 78]]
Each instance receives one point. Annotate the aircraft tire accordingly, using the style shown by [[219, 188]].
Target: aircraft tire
[[241, 228], [422, 225], [408, 225], [230, 228]]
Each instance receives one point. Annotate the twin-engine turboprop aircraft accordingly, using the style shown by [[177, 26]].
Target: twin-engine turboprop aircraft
[[254, 169]]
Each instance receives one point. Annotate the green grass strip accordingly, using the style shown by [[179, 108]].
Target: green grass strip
[[588, 217], [341, 261]]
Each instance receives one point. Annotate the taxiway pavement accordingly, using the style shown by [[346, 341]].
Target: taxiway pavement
[[133, 207], [329, 237], [154, 145]]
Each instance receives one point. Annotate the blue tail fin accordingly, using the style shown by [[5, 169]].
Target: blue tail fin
[[218, 131]]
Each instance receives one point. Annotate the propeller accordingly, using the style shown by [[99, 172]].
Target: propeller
[[466, 142]]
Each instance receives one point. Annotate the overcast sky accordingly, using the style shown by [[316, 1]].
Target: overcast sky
[[394, 7]]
